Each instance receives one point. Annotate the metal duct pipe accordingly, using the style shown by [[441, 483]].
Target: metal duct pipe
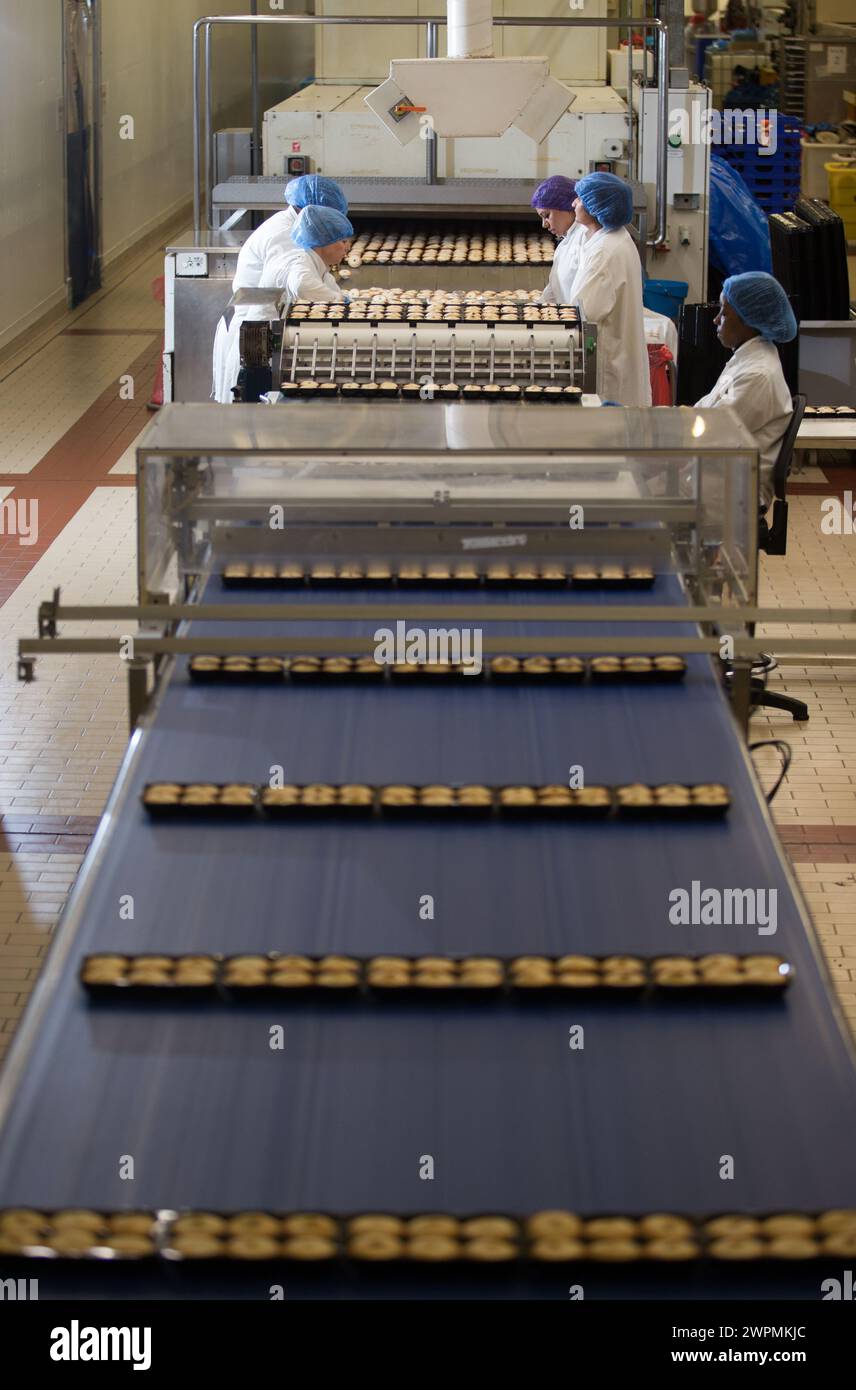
[[672, 11], [470, 28]]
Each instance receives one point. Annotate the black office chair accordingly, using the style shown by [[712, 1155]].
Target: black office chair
[[773, 540], [773, 537]]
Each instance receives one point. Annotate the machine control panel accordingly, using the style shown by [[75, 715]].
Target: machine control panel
[[191, 263]]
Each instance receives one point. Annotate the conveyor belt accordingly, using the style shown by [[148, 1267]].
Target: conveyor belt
[[515, 1121]]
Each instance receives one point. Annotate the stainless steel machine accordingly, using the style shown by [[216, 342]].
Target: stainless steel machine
[[422, 347]]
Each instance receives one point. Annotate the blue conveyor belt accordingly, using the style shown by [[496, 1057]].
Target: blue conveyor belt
[[514, 1119]]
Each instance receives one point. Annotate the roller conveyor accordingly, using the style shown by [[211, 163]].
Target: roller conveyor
[[515, 1122]]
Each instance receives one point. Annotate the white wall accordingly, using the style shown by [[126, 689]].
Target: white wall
[[362, 54], [32, 256], [146, 73], [147, 67]]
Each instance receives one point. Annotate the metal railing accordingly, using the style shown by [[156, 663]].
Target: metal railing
[[203, 153], [146, 650]]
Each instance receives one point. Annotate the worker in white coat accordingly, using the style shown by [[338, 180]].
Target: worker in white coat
[[553, 200], [260, 264], [608, 288], [321, 239], [754, 315]]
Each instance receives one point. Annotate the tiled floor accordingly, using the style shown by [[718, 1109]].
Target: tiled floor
[[68, 440], [65, 423]]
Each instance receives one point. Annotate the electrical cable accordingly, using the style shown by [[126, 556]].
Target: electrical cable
[[787, 754]]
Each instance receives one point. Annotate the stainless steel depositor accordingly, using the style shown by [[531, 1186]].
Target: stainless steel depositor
[[478, 351]]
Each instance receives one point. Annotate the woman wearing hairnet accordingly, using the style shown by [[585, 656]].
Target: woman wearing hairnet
[[553, 200], [608, 288], [321, 239], [754, 315], [258, 266]]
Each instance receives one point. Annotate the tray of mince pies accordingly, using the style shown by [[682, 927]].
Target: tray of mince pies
[[479, 307], [501, 244], [504, 670], [446, 392], [263, 977], [544, 1238], [208, 800], [405, 574], [831, 412]]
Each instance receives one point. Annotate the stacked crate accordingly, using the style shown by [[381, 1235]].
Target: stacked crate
[[772, 179], [719, 65]]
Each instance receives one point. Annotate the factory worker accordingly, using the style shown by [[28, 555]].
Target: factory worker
[[259, 264], [608, 288], [321, 239], [553, 200], [754, 315], [311, 190]]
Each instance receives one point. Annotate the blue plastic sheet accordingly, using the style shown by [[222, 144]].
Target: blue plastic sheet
[[739, 238]]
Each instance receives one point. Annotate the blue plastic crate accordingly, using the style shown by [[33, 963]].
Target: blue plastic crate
[[752, 159], [772, 179], [781, 201], [756, 155], [789, 130]]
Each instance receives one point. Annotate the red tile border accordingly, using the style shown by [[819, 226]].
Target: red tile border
[[46, 834], [78, 463], [844, 474], [109, 332], [824, 834], [819, 844], [48, 825], [830, 489], [813, 844], [840, 478]]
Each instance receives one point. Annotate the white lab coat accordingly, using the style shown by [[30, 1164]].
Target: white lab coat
[[269, 259], [753, 384], [265, 241], [566, 262], [608, 290]]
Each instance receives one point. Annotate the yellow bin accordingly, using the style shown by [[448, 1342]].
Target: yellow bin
[[842, 195]]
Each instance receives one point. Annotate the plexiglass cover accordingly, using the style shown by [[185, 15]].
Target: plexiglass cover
[[677, 488]]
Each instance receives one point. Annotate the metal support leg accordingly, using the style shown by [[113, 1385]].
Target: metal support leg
[[776, 699], [139, 685], [430, 136], [256, 151], [740, 682]]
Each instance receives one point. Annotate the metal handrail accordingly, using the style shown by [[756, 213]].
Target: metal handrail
[[726, 615], [431, 24], [803, 648]]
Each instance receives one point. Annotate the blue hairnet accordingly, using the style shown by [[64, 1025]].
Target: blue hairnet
[[556, 192], [320, 227], [313, 190], [607, 198], [762, 303]]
